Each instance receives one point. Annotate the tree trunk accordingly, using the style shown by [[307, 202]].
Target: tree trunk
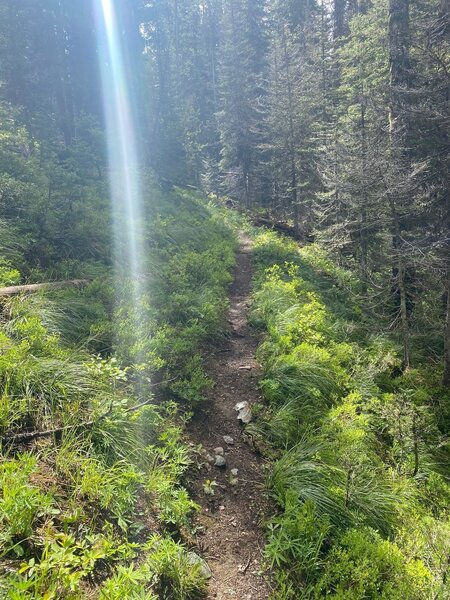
[[399, 63], [339, 25], [291, 144], [446, 376], [365, 201], [399, 272]]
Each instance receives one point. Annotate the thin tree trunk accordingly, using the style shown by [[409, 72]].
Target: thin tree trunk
[[399, 280], [323, 59], [363, 215], [294, 189], [415, 444], [446, 376], [399, 62], [339, 25]]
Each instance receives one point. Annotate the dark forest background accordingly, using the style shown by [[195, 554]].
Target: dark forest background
[[333, 116]]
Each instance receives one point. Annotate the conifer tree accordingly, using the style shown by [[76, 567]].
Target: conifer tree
[[241, 79]]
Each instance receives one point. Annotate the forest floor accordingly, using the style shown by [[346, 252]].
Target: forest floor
[[231, 521]]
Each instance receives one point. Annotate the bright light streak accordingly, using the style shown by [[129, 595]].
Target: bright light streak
[[125, 188]]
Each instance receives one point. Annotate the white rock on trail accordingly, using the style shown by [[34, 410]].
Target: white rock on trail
[[228, 440], [245, 412]]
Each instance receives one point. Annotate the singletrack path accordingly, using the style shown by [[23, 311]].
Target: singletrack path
[[231, 535]]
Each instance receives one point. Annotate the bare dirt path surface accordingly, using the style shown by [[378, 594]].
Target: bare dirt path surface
[[231, 536]]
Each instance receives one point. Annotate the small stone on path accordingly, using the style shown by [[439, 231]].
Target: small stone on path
[[228, 440], [194, 560], [220, 462], [219, 451]]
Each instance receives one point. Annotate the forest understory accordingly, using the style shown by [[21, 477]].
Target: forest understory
[[333, 486], [224, 299]]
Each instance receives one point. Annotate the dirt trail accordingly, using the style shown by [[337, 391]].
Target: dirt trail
[[232, 538]]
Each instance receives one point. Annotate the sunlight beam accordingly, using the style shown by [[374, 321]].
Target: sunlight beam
[[125, 185]]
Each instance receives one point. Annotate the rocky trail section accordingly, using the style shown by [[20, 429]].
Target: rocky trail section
[[229, 485]]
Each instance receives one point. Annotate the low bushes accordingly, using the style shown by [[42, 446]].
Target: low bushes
[[89, 510], [354, 442]]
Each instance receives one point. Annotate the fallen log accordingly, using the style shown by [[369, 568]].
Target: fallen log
[[20, 438], [31, 288], [28, 436]]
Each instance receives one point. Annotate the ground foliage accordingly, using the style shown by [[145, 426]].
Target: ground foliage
[[99, 510], [359, 457]]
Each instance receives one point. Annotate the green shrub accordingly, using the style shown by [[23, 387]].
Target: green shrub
[[363, 565], [194, 381], [22, 503], [169, 462], [8, 275], [63, 565], [270, 248], [307, 373], [128, 582], [166, 571], [300, 471], [355, 445]]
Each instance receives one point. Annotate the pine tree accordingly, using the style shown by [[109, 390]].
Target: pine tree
[[297, 109], [241, 80]]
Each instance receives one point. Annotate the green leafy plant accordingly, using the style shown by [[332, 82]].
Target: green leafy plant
[[208, 487], [363, 565], [22, 504]]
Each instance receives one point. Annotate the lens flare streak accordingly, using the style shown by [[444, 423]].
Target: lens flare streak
[[125, 188]]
